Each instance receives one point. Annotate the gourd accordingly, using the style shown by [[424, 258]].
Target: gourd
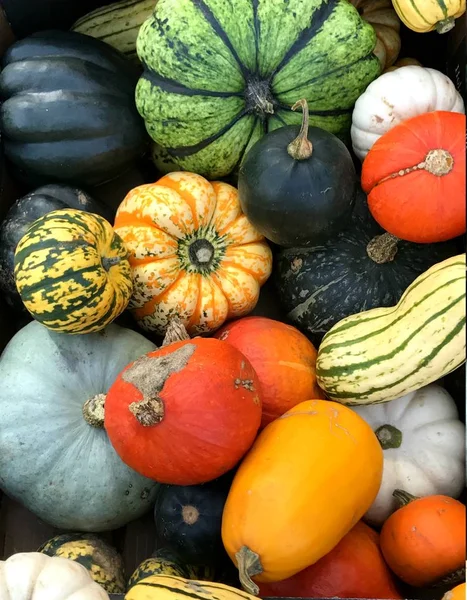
[[68, 112], [33, 576], [297, 186], [384, 20], [423, 159], [193, 254], [397, 96], [60, 465], [423, 442], [203, 393], [268, 530], [101, 560], [283, 359], [23, 214], [423, 542], [422, 17], [384, 353], [211, 90], [365, 268], [72, 272], [355, 568]]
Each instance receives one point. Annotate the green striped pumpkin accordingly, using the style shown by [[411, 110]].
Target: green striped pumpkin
[[384, 353], [221, 73], [72, 271]]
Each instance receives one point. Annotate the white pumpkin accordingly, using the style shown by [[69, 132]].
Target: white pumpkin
[[424, 447], [35, 576], [397, 96]]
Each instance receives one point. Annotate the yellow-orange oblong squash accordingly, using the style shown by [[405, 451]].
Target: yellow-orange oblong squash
[[307, 480]]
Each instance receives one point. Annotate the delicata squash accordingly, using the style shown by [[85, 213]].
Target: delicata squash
[[307, 480]]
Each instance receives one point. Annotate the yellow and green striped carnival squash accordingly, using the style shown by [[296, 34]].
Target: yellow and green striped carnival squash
[[384, 353], [219, 74], [72, 271]]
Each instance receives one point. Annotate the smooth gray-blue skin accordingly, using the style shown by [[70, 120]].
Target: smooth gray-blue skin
[[51, 460]]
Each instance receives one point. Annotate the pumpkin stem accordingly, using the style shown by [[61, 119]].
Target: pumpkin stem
[[93, 411], [389, 436], [301, 148], [382, 248], [445, 25], [438, 162], [403, 498], [249, 565], [148, 412], [176, 332]]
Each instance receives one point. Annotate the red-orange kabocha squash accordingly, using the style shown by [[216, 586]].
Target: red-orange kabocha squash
[[186, 413], [414, 176], [283, 358], [355, 568]]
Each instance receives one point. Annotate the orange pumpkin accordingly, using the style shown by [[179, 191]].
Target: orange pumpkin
[[424, 541], [193, 253], [414, 176], [355, 568], [307, 480], [457, 593], [283, 358]]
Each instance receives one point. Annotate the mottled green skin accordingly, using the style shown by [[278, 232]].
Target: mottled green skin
[[204, 58]]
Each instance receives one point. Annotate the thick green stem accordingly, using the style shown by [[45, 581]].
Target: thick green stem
[[249, 565], [389, 437], [403, 498], [301, 148], [445, 25]]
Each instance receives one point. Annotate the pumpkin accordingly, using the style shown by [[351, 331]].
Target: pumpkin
[[32, 576], [72, 272], [361, 268], [61, 465], [201, 392], [406, 429], [384, 20], [100, 559], [355, 568], [23, 214], [457, 593], [298, 191], [424, 541], [410, 168], [397, 96], [282, 357], [271, 531], [403, 62], [193, 253], [211, 90], [422, 17], [68, 110], [384, 353]]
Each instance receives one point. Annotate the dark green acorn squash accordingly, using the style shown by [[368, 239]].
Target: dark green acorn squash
[[220, 74], [68, 112], [361, 268], [21, 216], [297, 185]]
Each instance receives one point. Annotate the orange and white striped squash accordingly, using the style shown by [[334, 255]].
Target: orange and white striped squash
[[193, 253]]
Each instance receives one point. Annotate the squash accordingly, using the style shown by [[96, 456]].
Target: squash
[[384, 20], [384, 353], [424, 541], [298, 191], [100, 559], [72, 272], [117, 24], [364, 265], [421, 159], [166, 587], [23, 214], [282, 357], [68, 112], [457, 593], [397, 96], [284, 514], [33, 576], [60, 465], [211, 90], [423, 442], [193, 253], [403, 62], [422, 17], [355, 568], [202, 393]]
